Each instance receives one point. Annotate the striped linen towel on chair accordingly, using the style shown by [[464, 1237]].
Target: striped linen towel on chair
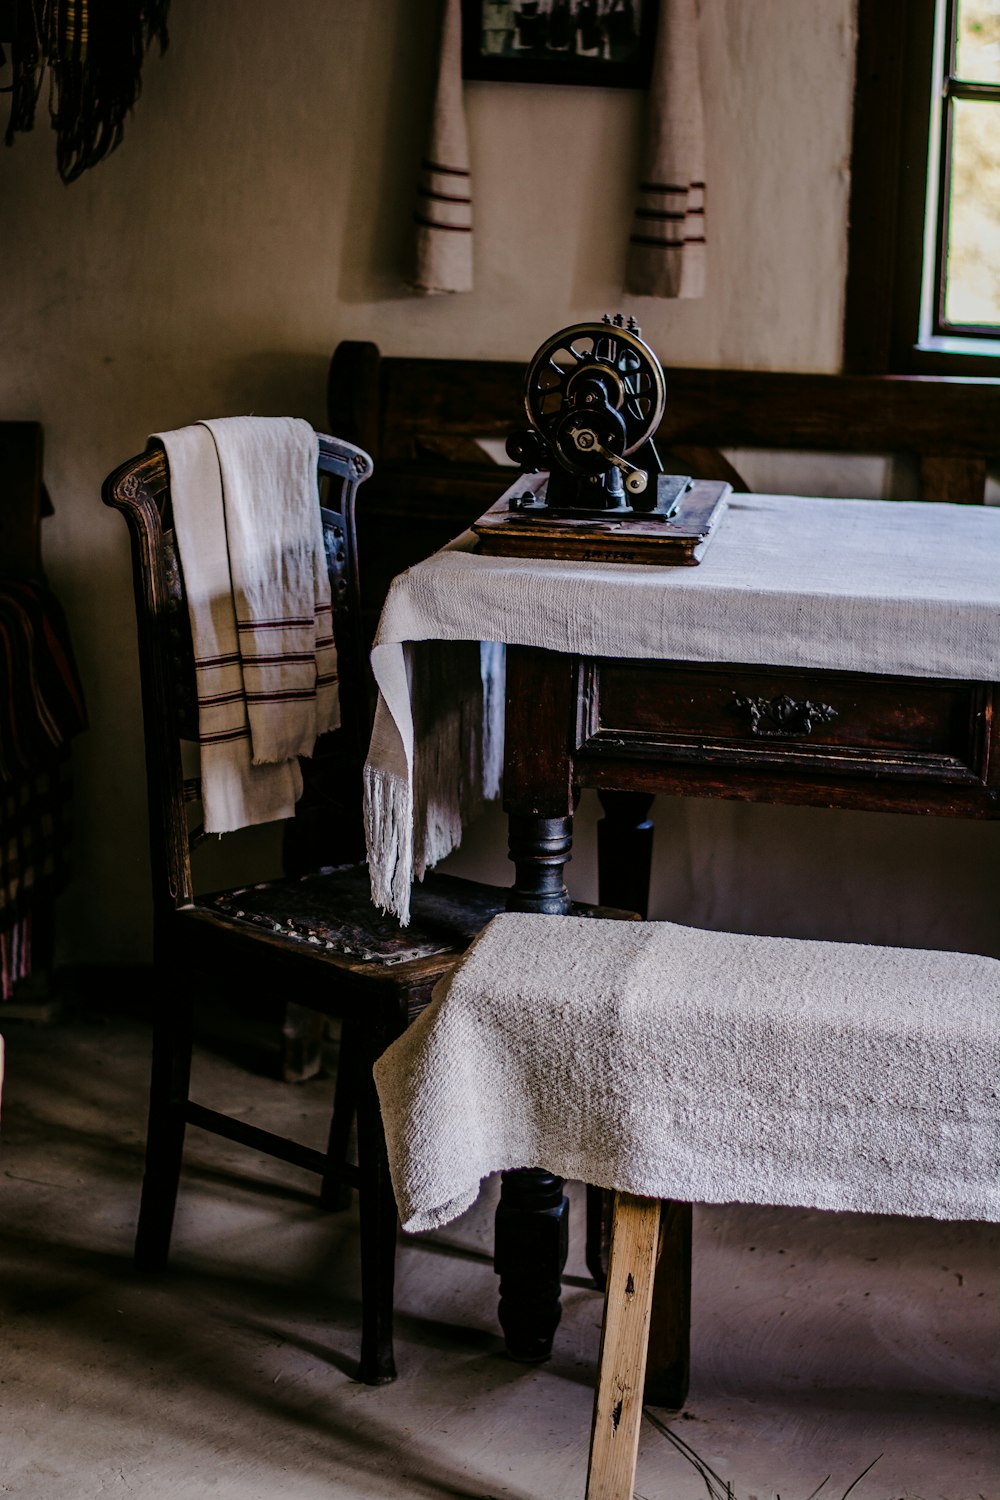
[[249, 535]]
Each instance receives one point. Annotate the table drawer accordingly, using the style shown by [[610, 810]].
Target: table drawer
[[828, 722]]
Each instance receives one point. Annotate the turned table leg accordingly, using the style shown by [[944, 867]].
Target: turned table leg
[[532, 1221], [532, 1238]]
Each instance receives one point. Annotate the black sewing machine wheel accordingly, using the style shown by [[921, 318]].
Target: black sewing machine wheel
[[616, 359]]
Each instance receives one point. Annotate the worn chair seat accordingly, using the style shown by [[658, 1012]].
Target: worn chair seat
[[331, 913]]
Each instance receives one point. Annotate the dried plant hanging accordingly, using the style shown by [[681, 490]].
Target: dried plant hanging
[[92, 51]]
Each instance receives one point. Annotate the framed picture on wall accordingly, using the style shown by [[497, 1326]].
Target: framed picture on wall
[[602, 42]]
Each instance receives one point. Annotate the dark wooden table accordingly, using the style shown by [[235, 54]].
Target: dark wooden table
[[631, 729]]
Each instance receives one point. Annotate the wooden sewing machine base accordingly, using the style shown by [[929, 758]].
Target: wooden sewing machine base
[[679, 539]]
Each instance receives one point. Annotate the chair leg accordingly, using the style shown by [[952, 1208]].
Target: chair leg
[[379, 1223], [614, 1439], [301, 1043], [334, 1193], [600, 1203], [168, 1095]]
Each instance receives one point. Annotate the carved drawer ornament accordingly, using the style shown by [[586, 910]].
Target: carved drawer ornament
[[784, 717]]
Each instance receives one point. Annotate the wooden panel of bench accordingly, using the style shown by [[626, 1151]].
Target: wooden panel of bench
[[420, 419]]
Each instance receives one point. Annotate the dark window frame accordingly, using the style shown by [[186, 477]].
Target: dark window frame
[[892, 126]]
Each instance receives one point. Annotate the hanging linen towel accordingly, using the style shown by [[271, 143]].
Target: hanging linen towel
[[444, 198], [709, 1067], [249, 534], [666, 253]]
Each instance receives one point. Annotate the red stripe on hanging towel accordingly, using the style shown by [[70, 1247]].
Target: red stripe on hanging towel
[[670, 214], [434, 166], [442, 197], [223, 736], [645, 239], [219, 698], [277, 660], [204, 662], [299, 621], [433, 224], [667, 187], [287, 695]]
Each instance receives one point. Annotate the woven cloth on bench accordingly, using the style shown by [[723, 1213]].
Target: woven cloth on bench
[[705, 1066]]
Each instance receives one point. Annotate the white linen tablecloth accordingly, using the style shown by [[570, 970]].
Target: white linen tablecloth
[[894, 588]]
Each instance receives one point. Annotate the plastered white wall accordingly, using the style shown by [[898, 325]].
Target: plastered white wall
[[259, 212]]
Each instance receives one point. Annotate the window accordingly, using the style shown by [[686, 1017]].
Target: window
[[965, 172], [923, 292]]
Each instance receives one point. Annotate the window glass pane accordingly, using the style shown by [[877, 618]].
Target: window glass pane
[[978, 57], [972, 293]]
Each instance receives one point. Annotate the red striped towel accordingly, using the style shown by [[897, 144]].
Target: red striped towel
[[444, 198], [666, 255], [249, 534], [666, 251]]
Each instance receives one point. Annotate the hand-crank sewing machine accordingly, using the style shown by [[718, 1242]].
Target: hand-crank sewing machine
[[591, 485]]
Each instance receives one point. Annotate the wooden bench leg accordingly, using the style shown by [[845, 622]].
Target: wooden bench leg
[[614, 1439], [669, 1363]]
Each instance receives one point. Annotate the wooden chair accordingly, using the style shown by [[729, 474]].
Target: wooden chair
[[313, 936]]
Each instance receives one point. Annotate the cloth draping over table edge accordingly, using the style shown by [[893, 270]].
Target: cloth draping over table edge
[[889, 587], [435, 758], [708, 1067]]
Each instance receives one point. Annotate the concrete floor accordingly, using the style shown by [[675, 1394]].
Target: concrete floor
[[821, 1341]]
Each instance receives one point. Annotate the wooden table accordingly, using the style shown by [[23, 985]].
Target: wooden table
[[631, 729]]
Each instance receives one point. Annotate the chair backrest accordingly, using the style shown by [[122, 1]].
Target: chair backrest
[[140, 489]]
